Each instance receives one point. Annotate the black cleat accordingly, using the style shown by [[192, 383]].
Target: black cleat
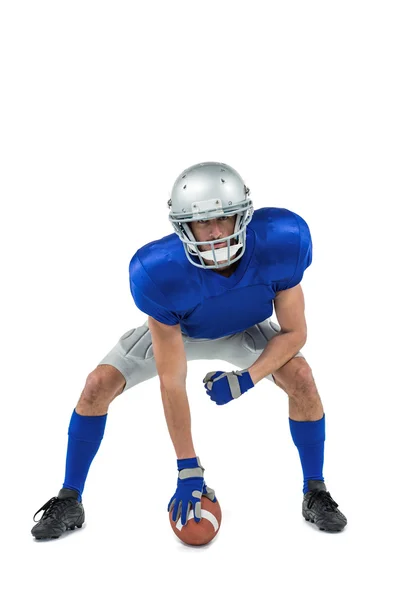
[[61, 512], [320, 508]]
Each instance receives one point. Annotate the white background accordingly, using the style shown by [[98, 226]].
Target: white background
[[103, 104]]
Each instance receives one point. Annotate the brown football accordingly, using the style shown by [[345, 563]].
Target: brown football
[[199, 534]]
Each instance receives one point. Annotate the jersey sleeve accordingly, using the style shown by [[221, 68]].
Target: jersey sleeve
[[301, 259], [147, 296]]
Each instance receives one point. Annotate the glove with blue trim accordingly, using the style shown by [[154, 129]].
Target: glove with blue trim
[[222, 387], [190, 488]]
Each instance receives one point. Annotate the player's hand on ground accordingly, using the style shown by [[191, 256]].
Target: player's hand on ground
[[222, 387], [190, 488]]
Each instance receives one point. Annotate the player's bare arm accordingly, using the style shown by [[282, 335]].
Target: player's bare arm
[[170, 357], [169, 353], [171, 363], [289, 309]]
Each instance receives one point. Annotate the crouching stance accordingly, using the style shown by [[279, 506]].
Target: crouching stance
[[208, 290]]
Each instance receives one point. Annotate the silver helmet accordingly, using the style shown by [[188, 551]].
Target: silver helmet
[[206, 191]]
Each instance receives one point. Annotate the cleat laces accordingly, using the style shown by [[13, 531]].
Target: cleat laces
[[324, 498], [52, 507]]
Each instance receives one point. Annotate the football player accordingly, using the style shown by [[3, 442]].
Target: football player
[[209, 290]]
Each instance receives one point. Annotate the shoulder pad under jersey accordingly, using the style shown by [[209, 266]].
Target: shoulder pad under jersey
[[285, 238]]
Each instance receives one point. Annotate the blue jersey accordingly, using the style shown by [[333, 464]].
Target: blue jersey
[[206, 304]]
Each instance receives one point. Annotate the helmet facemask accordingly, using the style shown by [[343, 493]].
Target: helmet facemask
[[232, 252]]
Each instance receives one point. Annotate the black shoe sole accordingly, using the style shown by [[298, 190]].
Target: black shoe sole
[[55, 537], [329, 530]]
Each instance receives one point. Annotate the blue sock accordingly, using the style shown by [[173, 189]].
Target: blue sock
[[84, 439], [309, 437]]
